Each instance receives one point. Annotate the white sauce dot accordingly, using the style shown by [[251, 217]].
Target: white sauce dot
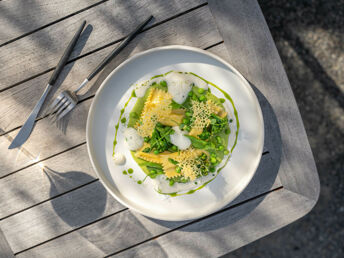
[[179, 86], [133, 139], [179, 139], [119, 158], [140, 88]]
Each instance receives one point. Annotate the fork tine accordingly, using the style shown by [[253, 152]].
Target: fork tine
[[60, 110], [66, 111], [59, 104], [53, 104]]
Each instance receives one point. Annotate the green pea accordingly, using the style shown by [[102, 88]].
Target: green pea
[[163, 83], [213, 155], [146, 139], [226, 152], [188, 128], [194, 97], [153, 83], [190, 93], [204, 156], [174, 148], [200, 90], [212, 169], [139, 182], [178, 169], [156, 152], [221, 147], [153, 171], [218, 138], [181, 126], [171, 182], [123, 120], [188, 113], [222, 100], [227, 131], [133, 115], [213, 160], [202, 98], [186, 121]]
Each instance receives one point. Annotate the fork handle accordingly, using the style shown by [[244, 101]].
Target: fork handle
[[66, 55], [118, 49]]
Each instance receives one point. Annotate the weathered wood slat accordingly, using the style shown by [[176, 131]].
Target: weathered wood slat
[[33, 185], [57, 217], [18, 102], [5, 250], [253, 52], [18, 18], [44, 136], [229, 230], [109, 21]]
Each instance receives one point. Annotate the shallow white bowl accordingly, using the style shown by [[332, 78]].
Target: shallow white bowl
[[104, 113]]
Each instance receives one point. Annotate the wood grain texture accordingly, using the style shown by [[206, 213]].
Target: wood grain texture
[[18, 18], [109, 21], [228, 230], [111, 234], [44, 135], [58, 216], [18, 102], [252, 50], [31, 185], [5, 250], [34, 185]]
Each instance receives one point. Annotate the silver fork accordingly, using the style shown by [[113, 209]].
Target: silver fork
[[67, 100]]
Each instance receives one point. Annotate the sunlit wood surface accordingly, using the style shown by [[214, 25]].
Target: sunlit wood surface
[[51, 202]]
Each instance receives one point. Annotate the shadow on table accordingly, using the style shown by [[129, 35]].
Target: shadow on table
[[76, 208], [93, 85], [261, 183]]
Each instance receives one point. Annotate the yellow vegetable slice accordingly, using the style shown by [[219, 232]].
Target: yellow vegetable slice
[[157, 109]]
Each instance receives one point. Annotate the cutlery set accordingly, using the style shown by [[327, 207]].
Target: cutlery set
[[67, 99]]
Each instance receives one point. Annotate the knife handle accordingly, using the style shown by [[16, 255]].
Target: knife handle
[[66, 55], [118, 49]]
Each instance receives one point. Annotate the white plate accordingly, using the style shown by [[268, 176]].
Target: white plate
[[105, 110]]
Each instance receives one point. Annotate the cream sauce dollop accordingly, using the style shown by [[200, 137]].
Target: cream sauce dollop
[[133, 139], [178, 138], [119, 158]]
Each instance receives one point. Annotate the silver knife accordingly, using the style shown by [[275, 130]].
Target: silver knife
[[26, 130]]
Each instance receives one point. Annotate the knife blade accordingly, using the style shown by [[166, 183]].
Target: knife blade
[[26, 129]]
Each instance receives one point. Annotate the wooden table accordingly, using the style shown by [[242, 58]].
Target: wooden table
[[63, 210]]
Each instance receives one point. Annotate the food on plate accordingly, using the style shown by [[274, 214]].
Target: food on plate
[[178, 131]]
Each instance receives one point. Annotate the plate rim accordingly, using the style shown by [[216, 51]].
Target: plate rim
[[101, 176]]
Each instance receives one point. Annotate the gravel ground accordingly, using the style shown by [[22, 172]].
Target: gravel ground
[[309, 36]]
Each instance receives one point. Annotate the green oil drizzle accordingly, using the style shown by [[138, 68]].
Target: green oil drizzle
[[119, 120], [225, 94], [235, 141]]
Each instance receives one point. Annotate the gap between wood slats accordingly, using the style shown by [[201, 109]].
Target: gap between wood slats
[[52, 23], [198, 220], [87, 98], [71, 190], [75, 146], [157, 236], [105, 46], [66, 192]]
